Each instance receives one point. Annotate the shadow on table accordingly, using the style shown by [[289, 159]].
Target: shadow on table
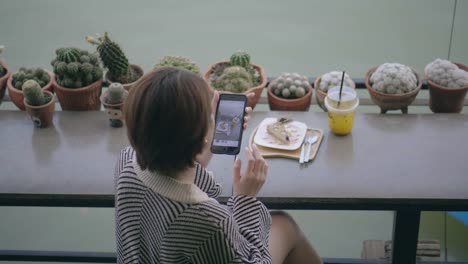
[[45, 141]]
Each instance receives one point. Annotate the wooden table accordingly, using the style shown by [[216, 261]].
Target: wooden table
[[405, 163]]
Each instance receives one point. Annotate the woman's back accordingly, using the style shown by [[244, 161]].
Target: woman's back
[[160, 220]]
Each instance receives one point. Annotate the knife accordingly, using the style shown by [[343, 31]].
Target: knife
[[302, 156]]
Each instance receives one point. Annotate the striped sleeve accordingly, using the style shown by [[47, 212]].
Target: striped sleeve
[[242, 236], [205, 181]]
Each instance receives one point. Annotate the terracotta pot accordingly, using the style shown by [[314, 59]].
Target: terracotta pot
[[320, 95], [3, 80], [17, 96], [299, 104], [42, 116], [257, 90], [79, 99], [127, 86], [113, 111], [392, 101], [446, 100]]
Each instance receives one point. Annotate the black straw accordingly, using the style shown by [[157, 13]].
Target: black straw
[[341, 88]]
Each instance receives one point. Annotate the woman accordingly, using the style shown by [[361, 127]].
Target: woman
[[165, 211]]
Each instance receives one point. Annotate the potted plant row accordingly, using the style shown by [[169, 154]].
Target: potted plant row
[[448, 84], [4, 75], [392, 86], [15, 83], [114, 59], [238, 75]]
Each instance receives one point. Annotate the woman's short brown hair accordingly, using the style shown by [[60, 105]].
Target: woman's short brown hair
[[168, 114]]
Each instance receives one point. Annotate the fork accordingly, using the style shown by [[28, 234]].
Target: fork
[[310, 141]]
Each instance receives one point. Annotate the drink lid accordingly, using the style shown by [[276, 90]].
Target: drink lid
[[347, 94]]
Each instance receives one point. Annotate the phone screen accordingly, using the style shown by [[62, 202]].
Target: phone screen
[[229, 122]]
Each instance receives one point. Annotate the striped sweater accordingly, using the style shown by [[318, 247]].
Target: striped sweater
[[161, 220]]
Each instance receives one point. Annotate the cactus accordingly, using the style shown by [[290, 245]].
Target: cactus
[[116, 93], [234, 79], [76, 68], [178, 62], [447, 74], [333, 78], [33, 93], [238, 75], [114, 59], [393, 78], [37, 74], [290, 86], [240, 58], [2, 69]]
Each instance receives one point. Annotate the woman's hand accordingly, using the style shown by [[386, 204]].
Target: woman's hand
[[251, 181]]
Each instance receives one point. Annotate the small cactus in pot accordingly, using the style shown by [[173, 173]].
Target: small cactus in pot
[[290, 91], [114, 59], [392, 86], [238, 75], [113, 100], [78, 79], [39, 103], [16, 81], [448, 85], [178, 62], [328, 80]]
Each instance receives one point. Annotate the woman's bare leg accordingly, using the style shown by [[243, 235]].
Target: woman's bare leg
[[287, 243]]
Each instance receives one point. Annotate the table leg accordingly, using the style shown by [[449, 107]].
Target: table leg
[[405, 236]]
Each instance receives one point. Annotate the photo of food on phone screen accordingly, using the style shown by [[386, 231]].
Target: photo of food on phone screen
[[228, 123]]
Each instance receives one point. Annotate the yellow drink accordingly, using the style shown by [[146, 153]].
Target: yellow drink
[[341, 123], [341, 115]]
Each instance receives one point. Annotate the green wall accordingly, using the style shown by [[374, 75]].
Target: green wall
[[310, 37], [307, 36]]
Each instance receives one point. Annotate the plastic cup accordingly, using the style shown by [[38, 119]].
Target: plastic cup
[[341, 113]]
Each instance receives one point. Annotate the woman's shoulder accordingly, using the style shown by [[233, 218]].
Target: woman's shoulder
[[214, 211]]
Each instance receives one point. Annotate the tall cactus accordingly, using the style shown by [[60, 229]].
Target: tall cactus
[[240, 58], [33, 93], [114, 59], [76, 68], [116, 93]]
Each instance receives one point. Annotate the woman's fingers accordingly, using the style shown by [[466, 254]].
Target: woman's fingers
[[250, 161], [214, 102]]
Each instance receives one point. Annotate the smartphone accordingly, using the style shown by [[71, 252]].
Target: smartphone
[[229, 123]]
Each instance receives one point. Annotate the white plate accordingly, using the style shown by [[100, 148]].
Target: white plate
[[297, 130]]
